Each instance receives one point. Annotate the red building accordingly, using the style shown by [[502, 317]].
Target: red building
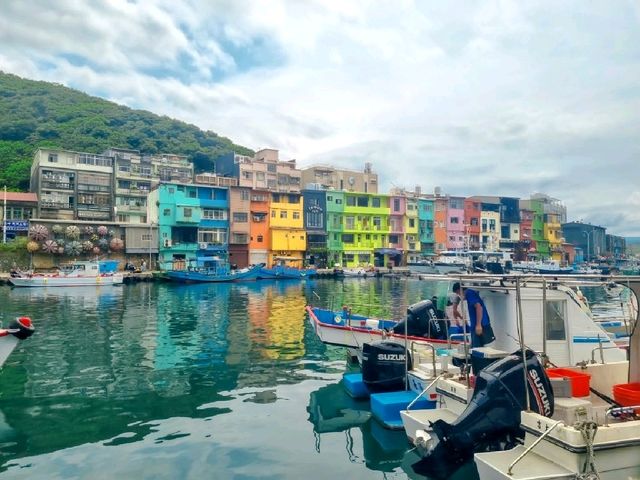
[[472, 209]]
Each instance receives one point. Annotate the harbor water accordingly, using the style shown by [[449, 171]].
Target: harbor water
[[167, 381]]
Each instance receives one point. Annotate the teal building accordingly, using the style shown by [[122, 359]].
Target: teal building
[[192, 219], [425, 225]]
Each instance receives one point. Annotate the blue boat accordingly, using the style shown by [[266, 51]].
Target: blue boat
[[282, 272], [213, 269]]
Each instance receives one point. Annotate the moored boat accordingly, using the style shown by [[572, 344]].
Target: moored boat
[[19, 329], [212, 270], [281, 272], [89, 272]]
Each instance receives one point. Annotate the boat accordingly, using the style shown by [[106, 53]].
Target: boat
[[359, 272], [546, 267], [212, 269], [281, 270], [19, 329], [346, 329], [89, 272], [448, 262], [573, 336], [593, 431]]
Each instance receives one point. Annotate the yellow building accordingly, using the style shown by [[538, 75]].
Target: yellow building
[[553, 234], [490, 229], [288, 237], [411, 231]]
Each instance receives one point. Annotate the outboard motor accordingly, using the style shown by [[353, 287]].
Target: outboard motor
[[422, 321], [384, 366], [22, 327], [491, 421]]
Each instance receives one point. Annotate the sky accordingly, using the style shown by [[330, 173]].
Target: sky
[[476, 97]]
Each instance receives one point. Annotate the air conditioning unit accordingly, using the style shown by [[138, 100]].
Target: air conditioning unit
[[202, 245]]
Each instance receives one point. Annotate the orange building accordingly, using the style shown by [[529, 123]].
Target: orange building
[[440, 224], [259, 244], [472, 214]]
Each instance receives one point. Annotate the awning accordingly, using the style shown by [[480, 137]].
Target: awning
[[388, 251]]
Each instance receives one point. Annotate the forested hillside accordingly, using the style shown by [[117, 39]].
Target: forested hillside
[[35, 114]]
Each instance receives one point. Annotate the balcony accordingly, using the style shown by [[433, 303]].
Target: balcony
[[57, 185], [56, 205], [316, 246]]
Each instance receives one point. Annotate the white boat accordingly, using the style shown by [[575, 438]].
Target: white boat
[[20, 329], [547, 267], [586, 437], [572, 336], [359, 272], [90, 272], [448, 262]]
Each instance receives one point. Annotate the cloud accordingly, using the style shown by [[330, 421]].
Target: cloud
[[478, 98]]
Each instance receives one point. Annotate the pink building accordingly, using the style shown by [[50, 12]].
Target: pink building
[[455, 224], [398, 206]]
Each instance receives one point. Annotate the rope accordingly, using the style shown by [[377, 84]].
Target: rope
[[588, 430]]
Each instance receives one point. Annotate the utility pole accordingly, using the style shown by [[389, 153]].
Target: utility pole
[[4, 217]]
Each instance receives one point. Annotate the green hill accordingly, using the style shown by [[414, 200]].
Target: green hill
[[40, 114]]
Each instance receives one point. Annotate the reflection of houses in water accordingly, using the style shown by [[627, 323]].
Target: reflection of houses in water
[[284, 303]]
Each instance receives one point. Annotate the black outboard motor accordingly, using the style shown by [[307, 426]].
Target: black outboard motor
[[422, 321], [384, 366], [491, 421], [22, 327]]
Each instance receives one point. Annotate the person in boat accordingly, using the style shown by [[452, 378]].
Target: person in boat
[[454, 315], [480, 323]]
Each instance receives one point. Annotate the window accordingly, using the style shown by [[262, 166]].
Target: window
[[244, 194], [181, 188], [396, 204], [555, 319], [273, 213], [347, 237], [191, 193], [393, 239], [474, 222], [363, 201], [329, 198], [53, 158], [338, 201], [214, 214], [260, 239], [351, 201], [412, 223], [188, 212], [166, 212], [492, 225], [454, 220], [271, 167], [296, 215], [377, 222], [294, 199], [240, 217], [375, 202], [240, 238], [216, 236], [349, 223], [260, 176], [283, 214], [146, 237], [276, 198]]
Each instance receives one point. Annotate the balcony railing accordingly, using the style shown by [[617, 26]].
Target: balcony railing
[[58, 205], [57, 185]]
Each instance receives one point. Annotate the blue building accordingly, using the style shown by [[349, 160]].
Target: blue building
[[192, 219], [314, 204]]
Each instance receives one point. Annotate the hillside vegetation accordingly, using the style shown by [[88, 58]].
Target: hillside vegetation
[[40, 114]]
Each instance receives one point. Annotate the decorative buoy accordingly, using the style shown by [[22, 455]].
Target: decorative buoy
[[23, 327]]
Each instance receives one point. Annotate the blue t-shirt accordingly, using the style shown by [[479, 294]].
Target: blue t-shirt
[[473, 298]]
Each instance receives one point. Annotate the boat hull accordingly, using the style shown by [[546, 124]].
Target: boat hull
[[282, 273], [193, 276], [354, 331], [7, 344], [62, 281]]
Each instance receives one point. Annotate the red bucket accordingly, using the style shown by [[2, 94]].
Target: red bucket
[[627, 394], [579, 381]]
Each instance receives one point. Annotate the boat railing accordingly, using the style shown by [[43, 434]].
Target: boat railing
[[613, 411], [600, 348], [532, 446]]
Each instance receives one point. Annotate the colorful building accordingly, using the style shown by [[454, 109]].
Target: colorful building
[[509, 223], [239, 225], [366, 231], [455, 224], [425, 225], [398, 205], [490, 226], [287, 235], [412, 231], [259, 239], [193, 220], [440, 223], [335, 212], [472, 215], [314, 204]]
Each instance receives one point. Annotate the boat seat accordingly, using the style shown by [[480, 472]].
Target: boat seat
[[494, 465]]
